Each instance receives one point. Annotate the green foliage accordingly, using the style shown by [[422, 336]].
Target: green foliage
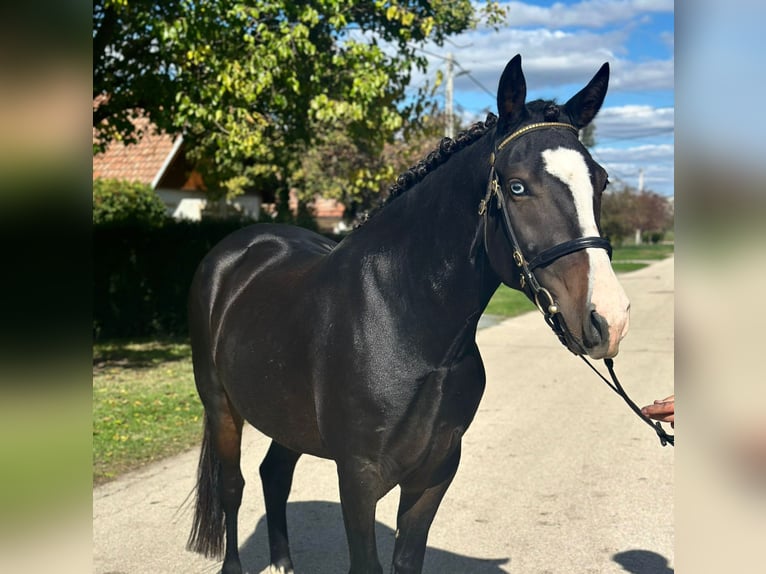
[[588, 136], [340, 168], [254, 85], [624, 211], [126, 202]]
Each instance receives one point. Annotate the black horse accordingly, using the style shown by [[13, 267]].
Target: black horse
[[364, 351]]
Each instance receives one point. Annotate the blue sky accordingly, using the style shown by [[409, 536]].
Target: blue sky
[[562, 45]]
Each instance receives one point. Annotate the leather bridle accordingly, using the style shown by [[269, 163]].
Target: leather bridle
[[528, 281]]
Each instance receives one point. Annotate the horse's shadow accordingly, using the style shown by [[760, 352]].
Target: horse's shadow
[[318, 545], [642, 562]]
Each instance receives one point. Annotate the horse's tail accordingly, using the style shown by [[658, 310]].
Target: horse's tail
[[208, 528]]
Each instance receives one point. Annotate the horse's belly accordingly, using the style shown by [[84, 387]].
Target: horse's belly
[[273, 393]]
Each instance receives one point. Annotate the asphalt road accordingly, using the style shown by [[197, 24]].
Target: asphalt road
[[557, 475]]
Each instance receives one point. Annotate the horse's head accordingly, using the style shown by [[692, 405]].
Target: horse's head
[[543, 212]]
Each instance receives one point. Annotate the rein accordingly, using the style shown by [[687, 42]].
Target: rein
[[615, 385], [528, 281]]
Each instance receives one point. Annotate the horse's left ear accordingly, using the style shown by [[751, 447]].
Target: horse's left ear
[[512, 92], [586, 103]]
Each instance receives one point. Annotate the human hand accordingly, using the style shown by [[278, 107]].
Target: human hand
[[663, 411]]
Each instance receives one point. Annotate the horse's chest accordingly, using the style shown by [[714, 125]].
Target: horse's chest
[[432, 429]]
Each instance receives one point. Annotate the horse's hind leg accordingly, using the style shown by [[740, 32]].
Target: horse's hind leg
[[277, 477], [219, 484], [417, 509]]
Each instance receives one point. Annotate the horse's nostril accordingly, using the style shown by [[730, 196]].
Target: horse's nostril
[[595, 330]]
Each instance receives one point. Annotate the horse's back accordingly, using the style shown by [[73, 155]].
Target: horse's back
[[252, 251]]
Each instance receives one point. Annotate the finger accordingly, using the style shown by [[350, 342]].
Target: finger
[[659, 409], [664, 416]]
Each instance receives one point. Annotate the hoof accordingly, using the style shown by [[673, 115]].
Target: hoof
[[276, 570]]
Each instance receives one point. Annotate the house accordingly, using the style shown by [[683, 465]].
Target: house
[[160, 161]]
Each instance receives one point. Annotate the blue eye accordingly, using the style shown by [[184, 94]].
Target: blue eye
[[516, 187]]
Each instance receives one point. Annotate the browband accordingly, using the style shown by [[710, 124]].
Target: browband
[[532, 127]]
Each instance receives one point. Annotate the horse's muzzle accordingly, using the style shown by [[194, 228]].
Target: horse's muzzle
[[595, 331]]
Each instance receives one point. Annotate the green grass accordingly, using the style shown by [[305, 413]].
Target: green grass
[[642, 252], [507, 302], [626, 266], [145, 405]]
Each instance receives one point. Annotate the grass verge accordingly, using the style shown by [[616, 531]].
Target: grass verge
[[145, 404], [648, 252]]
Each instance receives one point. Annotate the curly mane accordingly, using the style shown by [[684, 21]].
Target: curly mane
[[447, 148]]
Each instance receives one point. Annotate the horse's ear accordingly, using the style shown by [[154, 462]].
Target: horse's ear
[[586, 103], [512, 92]]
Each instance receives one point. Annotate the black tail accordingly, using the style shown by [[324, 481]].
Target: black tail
[[208, 528]]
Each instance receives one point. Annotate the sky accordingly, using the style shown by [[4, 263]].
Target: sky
[[562, 45]]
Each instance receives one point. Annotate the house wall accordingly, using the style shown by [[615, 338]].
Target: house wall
[[189, 204]]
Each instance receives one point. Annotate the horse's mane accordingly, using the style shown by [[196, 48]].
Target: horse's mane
[[447, 148]]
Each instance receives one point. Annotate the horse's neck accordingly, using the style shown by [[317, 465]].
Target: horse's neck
[[430, 237]]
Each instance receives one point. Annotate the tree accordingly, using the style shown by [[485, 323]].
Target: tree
[[359, 177], [626, 210], [588, 136], [253, 85]]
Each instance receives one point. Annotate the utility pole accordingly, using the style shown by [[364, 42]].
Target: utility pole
[[637, 236], [449, 128]]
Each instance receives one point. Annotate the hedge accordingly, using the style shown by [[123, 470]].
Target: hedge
[[142, 275], [122, 202]]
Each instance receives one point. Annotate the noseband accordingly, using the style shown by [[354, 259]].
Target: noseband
[[528, 280]]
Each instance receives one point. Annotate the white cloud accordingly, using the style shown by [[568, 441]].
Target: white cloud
[[631, 122], [642, 76], [545, 52], [551, 59], [587, 14], [624, 165], [617, 128]]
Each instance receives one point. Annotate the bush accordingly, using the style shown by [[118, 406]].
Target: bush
[[126, 202], [142, 275]]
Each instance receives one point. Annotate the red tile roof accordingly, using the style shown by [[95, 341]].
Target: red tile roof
[[141, 162]]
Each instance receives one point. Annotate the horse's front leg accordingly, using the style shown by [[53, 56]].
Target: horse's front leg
[[417, 509], [360, 489]]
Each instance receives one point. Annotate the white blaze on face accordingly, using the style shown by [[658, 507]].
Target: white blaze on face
[[604, 291]]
